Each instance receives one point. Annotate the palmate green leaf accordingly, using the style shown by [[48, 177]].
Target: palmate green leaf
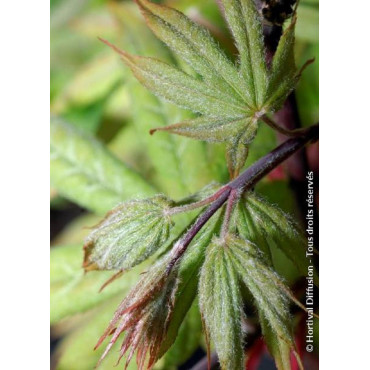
[[83, 171], [91, 83], [180, 88], [194, 44], [246, 27], [128, 235], [260, 222], [69, 283], [177, 166], [229, 98], [220, 94], [220, 302]]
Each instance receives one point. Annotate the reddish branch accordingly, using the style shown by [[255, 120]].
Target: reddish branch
[[245, 181]]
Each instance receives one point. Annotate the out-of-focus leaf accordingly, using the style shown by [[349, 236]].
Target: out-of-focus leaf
[[246, 27], [308, 88], [180, 166], [128, 235], [91, 83], [118, 104], [65, 11], [72, 291], [96, 22], [86, 118], [83, 171], [308, 22], [76, 351], [76, 230], [220, 302]]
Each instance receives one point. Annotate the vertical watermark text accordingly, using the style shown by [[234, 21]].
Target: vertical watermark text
[[309, 255]]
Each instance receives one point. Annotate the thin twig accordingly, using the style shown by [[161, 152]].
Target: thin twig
[[290, 133], [243, 182], [195, 205]]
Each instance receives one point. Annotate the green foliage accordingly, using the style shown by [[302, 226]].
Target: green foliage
[[85, 172], [246, 27], [144, 315], [69, 283], [266, 287], [186, 342], [229, 98], [75, 351], [128, 235], [102, 155], [221, 305], [283, 76], [261, 222]]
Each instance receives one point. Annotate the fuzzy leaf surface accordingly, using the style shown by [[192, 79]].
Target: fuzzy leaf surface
[[128, 235], [260, 222], [283, 74], [280, 350], [195, 45], [219, 93], [221, 305], [246, 27], [267, 289]]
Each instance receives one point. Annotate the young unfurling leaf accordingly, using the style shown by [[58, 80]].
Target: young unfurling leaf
[[221, 305], [231, 262], [144, 316], [268, 290], [277, 346], [128, 235]]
